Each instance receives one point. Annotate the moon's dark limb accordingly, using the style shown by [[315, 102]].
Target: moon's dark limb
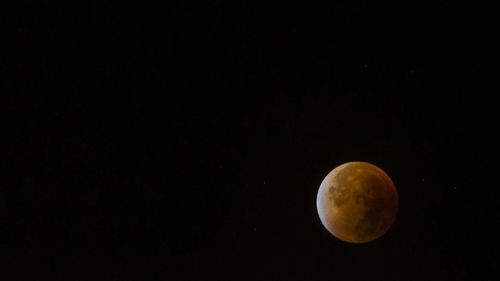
[[357, 202]]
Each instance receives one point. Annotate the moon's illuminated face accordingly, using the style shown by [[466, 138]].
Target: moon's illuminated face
[[357, 202]]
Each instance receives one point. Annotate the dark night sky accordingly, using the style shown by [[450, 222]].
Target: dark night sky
[[187, 141]]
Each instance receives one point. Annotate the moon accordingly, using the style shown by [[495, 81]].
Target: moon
[[357, 202]]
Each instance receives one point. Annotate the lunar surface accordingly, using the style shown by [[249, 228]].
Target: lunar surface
[[357, 202]]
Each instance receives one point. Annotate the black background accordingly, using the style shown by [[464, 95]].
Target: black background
[[187, 141]]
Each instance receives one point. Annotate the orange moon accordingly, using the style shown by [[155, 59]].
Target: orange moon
[[357, 202]]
